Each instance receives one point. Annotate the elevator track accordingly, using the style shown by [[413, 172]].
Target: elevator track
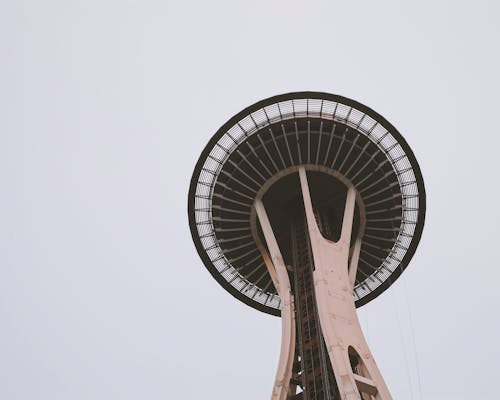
[[312, 370]]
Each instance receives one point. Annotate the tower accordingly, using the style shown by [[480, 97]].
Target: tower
[[308, 205]]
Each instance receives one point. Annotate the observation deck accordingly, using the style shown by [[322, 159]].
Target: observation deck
[[339, 142]]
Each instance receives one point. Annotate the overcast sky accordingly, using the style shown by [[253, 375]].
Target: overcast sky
[[105, 107]]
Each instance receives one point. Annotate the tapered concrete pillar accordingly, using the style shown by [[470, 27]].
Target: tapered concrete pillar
[[335, 264], [337, 312], [277, 267]]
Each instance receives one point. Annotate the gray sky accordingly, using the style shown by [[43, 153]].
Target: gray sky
[[105, 107]]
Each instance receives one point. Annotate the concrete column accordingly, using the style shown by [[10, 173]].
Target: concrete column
[[278, 270], [334, 284]]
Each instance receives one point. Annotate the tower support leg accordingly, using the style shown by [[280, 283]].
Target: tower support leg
[[277, 269], [356, 373]]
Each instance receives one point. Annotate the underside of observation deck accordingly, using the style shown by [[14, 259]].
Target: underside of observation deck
[[258, 152]]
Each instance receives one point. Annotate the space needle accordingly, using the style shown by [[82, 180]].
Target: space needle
[[308, 205]]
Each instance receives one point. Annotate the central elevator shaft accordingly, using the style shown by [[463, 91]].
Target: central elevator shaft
[[313, 370]]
